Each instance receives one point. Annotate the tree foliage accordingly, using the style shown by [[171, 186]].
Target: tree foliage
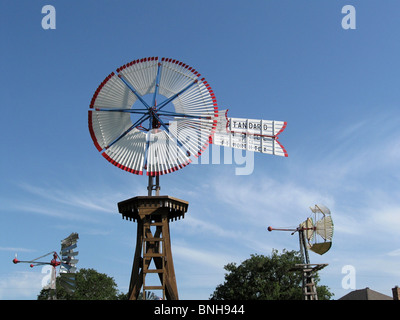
[[265, 278], [90, 285]]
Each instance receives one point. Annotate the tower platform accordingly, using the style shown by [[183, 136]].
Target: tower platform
[[153, 214]]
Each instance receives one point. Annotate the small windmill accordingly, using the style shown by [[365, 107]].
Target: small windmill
[[315, 234], [66, 261]]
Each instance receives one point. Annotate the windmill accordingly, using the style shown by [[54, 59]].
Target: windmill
[[65, 260], [156, 115], [315, 234]]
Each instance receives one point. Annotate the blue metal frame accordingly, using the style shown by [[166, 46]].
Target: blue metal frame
[[183, 115], [164, 103], [137, 123], [139, 111], [157, 84], [151, 112], [134, 91]]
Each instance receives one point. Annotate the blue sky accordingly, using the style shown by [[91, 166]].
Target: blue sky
[[276, 60]]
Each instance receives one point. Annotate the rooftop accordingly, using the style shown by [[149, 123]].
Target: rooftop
[[365, 294]]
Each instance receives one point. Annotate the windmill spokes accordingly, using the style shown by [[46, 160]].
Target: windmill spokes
[[161, 140]]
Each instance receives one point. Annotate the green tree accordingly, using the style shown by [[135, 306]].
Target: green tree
[[266, 278], [90, 285]]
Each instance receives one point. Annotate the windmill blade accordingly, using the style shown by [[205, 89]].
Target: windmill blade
[[250, 134], [67, 268], [324, 228], [308, 227], [320, 208], [129, 153], [70, 261], [68, 276], [70, 240], [321, 247], [67, 249], [69, 243], [67, 281], [164, 154], [69, 287], [70, 254]]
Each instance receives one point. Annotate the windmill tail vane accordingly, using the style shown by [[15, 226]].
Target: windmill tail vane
[[249, 134]]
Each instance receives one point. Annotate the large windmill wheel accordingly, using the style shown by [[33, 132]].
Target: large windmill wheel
[[152, 115]]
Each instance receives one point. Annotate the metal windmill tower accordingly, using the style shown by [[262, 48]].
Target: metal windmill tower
[[315, 234], [66, 260], [156, 115]]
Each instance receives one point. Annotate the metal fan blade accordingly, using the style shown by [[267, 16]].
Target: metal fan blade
[[308, 228], [321, 208], [164, 154], [67, 283], [70, 254], [68, 268], [321, 248], [128, 153], [324, 227], [73, 237], [68, 276], [70, 261], [65, 250]]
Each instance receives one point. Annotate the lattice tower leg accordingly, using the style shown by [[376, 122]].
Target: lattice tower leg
[[153, 247], [309, 288], [308, 272]]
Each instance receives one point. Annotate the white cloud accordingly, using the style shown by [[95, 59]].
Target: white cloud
[[83, 199], [394, 253], [211, 227], [21, 285], [385, 219], [347, 224], [53, 212], [12, 249], [213, 260], [261, 199]]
